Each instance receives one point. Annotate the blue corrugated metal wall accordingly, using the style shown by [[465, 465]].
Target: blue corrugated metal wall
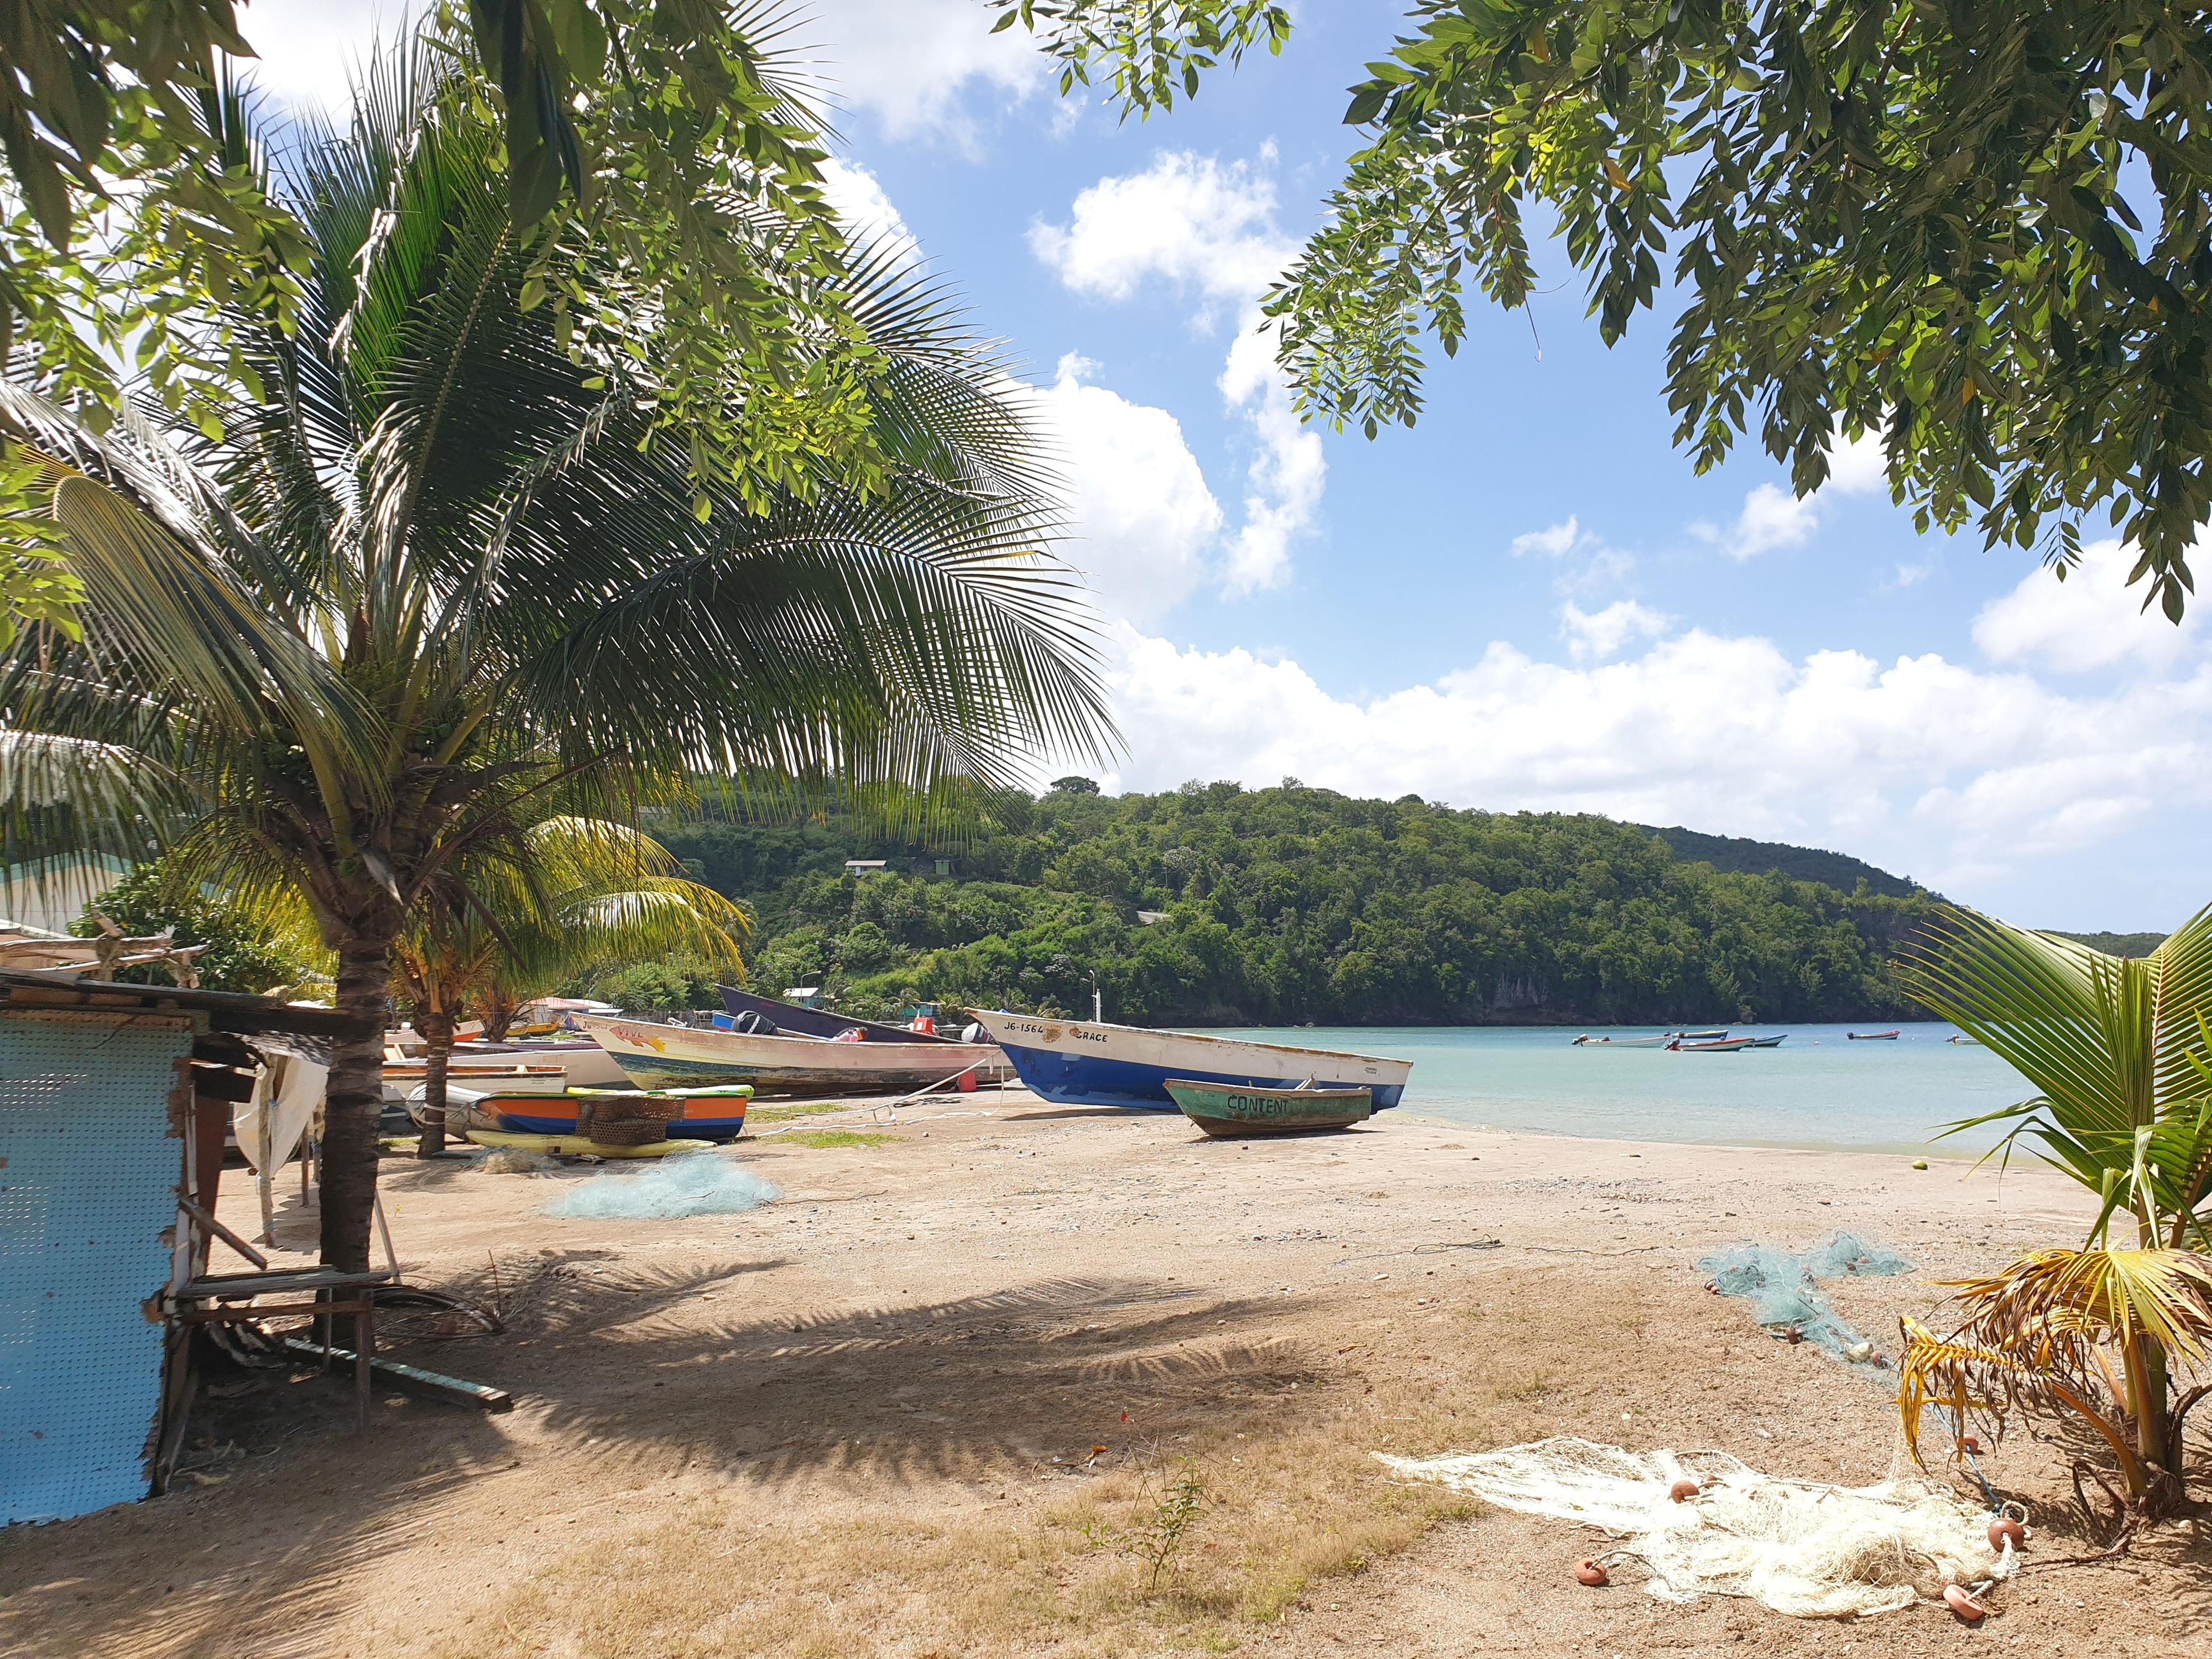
[[88, 1171]]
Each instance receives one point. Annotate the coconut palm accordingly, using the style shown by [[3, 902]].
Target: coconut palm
[[437, 575], [2119, 1053], [489, 937]]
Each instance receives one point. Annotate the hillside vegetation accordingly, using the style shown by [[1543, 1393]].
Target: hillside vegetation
[[1292, 905]]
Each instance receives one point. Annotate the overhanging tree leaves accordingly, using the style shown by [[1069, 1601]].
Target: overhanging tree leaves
[[1980, 232]]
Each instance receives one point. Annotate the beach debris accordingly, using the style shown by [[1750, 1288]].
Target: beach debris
[[1592, 1573], [1683, 1490], [682, 1184], [1801, 1548], [1788, 1302], [2005, 1530], [1961, 1601]]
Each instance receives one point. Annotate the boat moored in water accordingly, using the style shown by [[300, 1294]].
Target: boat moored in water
[[1619, 1042], [1080, 1062], [1725, 1046], [681, 1056], [1770, 1043]]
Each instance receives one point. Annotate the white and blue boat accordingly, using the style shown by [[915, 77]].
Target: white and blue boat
[[1080, 1062]]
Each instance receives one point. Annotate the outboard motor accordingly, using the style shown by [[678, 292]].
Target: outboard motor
[[754, 1022]]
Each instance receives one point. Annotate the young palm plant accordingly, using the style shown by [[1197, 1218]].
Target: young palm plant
[[2119, 1053], [440, 572], [488, 937]]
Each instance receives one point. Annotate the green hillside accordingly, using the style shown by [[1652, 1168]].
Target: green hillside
[[2116, 944], [1755, 857], [1290, 905]]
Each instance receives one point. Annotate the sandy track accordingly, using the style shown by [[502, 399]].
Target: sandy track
[[831, 1425]]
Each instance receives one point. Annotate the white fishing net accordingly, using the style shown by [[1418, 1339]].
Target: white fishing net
[[1802, 1548]]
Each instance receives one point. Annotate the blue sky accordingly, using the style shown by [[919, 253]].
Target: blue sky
[[1528, 601]]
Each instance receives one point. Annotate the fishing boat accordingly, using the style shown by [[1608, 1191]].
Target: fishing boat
[[1076, 1062], [1226, 1113], [655, 1056], [808, 1022], [1770, 1043], [1619, 1042], [1962, 1041], [710, 1114], [1725, 1046], [404, 1079], [587, 1065], [1714, 1036], [1871, 1037]]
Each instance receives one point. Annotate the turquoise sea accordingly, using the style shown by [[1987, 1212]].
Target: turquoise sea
[[1816, 1090]]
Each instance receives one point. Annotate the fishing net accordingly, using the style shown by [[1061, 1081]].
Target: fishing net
[[680, 1185], [1801, 1547], [1780, 1286]]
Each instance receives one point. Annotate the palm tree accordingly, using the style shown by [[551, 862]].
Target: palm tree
[[2120, 1055], [584, 892], [437, 574]]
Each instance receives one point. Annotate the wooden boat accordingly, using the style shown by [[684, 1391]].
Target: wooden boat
[[1725, 1046], [1076, 1062], [815, 1022], [402, 1079], [1228, 1112], [575, 1147], [682, 1057], [1962, 1041], [711, 1113], [1619, 1042], [1770, 1043], [1717, 1035], [1871, 1037], [588, 1065]]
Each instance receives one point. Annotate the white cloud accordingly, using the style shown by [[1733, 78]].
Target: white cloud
[[860, 201], [1774, 516], [1188, 220], [1922, 765], [1555, 542], [920, 66], [308, 50], [2091, 620], [1594, 635], [1144, 520], [1206, 229]]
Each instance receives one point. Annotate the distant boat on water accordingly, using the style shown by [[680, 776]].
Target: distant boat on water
[[1725, 1046], [1872, 1036], [1719, 1033], [1076, 1062], [1963, 1041], [1770, 1043], [1619, 1042]]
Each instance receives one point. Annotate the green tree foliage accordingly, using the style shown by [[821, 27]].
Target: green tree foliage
[[1294, 904], [1981, 232], [441, 577], [246, 950]]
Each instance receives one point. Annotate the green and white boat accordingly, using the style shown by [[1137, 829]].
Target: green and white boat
[[1226, 1111]]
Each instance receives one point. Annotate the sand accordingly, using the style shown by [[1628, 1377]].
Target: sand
[[928, 1402]]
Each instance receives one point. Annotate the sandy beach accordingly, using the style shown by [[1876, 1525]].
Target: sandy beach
[[924, 1403]]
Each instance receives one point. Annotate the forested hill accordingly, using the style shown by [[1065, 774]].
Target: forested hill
[[1755, 857], [1216, 904]]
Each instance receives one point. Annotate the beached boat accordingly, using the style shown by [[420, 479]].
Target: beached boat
[[815, 1022], [1725, 1046], [1715, 1034], [1871, 1037], [1226, 1113], [680, 1056], [1091, 1063], [710, 1114], [1619, 1042], [576, 1147], [1770, 1043], [588, 1065]]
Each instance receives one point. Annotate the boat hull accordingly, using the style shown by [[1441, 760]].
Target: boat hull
[[680, 1057], [1233, 1114], [817, 1022], [1620, 1043], [708, 1113], [1085, 1063]]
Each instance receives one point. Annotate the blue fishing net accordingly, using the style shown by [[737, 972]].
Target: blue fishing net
[[1780, 1284], [682, 1184]]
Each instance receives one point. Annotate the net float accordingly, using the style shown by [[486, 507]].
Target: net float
[[1683, 1490], [1964, 1605], [1591, 1572], [1972, 1443], [2004, 1528]]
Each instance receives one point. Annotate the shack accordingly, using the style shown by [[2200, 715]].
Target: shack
[[114, 1101]]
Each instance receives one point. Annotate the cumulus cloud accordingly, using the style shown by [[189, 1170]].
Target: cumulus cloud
[[1553, 542], [1205, 230], [1774, 516], [2091, 620], [1919, 764], [308, 52], [920, 66], [860, 201], [1594, 635], [1142, 519]]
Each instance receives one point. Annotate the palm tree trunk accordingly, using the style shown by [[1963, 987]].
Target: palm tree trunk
[[436, 1027], [353, 1105], [2155, 1439]]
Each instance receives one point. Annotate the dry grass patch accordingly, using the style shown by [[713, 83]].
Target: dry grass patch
[[1065, 1560]]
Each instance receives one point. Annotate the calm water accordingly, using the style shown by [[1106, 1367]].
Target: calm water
[[1816, 1090]]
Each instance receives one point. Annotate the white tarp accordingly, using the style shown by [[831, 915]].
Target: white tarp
[[269, 1126]]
